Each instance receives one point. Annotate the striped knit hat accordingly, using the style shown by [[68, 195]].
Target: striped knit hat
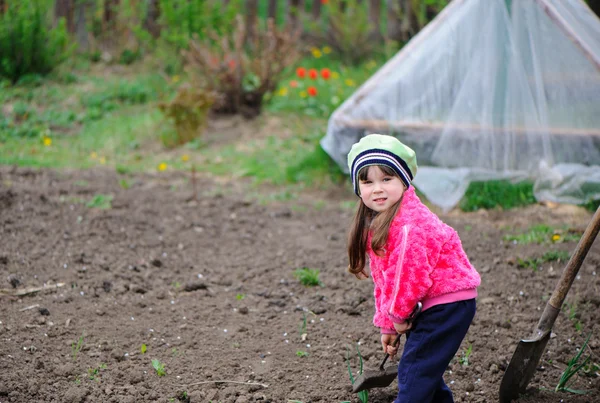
[[379, 149]]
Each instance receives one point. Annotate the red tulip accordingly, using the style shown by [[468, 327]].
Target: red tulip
[[326, 73], [313, 74], [324, 1], [293, 83], [312, 91], [301, 72]]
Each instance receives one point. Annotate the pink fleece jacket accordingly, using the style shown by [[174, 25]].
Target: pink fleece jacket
[[423, 260]]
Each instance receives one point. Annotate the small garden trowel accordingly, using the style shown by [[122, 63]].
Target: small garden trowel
[[382, 377]]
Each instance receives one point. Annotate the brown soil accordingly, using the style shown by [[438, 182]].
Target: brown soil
[[208, 286]]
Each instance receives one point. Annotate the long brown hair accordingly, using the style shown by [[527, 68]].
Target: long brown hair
[[366, 220]]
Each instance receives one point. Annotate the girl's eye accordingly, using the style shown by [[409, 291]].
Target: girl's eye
[[366, 182]]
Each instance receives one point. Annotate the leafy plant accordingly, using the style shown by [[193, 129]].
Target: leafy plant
[[116, 30], [301, 353], [143, 349], [187, 114], [464, 360], [158, 367], [182, 19], [28, 44], [364, 394], [77, 346], [347, 30], [308, 277], [100, 201], [94, 372], [241, 70], [573, 367]]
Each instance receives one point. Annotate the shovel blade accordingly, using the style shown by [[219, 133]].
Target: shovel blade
[[370, 379], [522, 367]]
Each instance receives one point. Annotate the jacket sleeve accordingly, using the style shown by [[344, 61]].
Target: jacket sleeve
[[381, 319], [410, 279]]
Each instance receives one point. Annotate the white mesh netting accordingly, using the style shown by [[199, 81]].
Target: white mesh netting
[[491, 89]]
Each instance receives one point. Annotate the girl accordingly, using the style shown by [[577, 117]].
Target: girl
[[413, 257]]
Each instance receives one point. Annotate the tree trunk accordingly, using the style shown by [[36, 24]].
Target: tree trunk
[[151, 22], [316, 9], [375, 21], [409, 25], [394, 21], [64, 9], [81, 32], [293, 13], [251, 15], [272, 10]]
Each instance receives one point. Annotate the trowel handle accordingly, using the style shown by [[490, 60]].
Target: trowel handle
[[410, 319]]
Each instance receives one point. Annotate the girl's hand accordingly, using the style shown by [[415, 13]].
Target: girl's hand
[[403, 327], [361, 275], [387, 340]]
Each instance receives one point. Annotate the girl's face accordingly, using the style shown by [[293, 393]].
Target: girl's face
[[380, 187]]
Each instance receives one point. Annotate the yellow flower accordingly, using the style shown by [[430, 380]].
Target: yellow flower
[[162, 166], [326, 50], [316, 53], [102, 160], [349, 82], [175, 79], [555, 238], [93, 155], [185, 158], [283, 91], [303, 94], [47, 141], [335, 75]]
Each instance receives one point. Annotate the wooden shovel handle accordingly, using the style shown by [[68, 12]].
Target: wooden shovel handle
[[553, 306], [572, 268]]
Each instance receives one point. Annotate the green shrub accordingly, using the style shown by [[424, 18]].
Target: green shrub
[[242, 73], [186, 115], [183, 19], [27, 44]]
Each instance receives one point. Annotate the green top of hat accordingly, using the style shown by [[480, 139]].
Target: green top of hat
[[387, 143]]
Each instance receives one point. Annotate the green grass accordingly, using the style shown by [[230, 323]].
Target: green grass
[[500, 193], [540, 234], [308, 277], [550, 256]]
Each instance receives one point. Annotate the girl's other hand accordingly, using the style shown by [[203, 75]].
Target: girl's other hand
[[403, 327], [361, 275], [387, 341]]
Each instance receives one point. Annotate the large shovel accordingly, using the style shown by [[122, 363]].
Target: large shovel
[[528, 353], [382, 377]]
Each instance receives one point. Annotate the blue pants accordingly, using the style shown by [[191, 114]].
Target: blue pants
[[430, 346]]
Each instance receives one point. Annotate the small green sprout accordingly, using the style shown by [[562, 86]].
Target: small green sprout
[[158, 367], [76, 347]]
